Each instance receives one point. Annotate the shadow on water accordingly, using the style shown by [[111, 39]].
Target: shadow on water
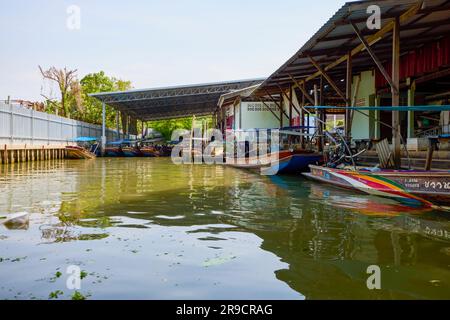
[[325, 237]]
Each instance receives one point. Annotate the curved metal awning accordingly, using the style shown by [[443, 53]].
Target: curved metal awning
[[172, 102]]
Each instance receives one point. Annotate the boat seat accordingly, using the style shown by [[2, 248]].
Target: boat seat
[[385, 154]]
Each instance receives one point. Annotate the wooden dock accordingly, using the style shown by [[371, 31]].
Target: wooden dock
[[17, 154], [441, 159]]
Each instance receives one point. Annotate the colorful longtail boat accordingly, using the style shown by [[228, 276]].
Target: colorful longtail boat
[[424, 188]]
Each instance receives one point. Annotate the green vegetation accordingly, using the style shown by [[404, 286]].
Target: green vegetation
[[78, 296], [55, 294], [83, 274], [74, 100], [166, 127]]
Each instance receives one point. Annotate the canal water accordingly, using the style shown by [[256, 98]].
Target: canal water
[[147, 229]]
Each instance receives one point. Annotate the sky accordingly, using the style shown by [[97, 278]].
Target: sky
[[152, 43]]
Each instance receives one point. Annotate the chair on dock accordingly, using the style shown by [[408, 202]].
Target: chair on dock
[[385, 154]]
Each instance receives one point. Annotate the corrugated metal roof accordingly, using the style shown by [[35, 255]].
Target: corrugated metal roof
[[337, 37], [172, 102]]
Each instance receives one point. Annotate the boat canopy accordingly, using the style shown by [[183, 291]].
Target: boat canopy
[[84, 139], [123, 141]]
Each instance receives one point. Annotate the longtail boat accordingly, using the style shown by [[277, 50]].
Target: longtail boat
[[113, 149], [149, 147], [429, 188], [86, 148], [282, 162], [130, 149], [425, 188]]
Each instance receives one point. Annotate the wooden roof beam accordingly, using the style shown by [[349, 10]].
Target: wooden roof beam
[[408, 14], [328, 78], [302, 89], [375, 58]]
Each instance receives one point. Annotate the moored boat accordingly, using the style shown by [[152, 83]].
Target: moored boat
[[425, 188], [149, 147], [130, 148], [282, 162], [86, 148]]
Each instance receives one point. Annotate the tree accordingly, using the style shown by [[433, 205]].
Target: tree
[[68, 86], [94, 83]]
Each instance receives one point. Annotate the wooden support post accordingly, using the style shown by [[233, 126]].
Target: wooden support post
[[302, 121], [431, 148], [290, 106], [290, 102], [348, 95], [396, 141], [5, 156], [411, 102], [318, 123], [281, 113]]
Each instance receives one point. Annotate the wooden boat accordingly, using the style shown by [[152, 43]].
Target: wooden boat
[[76, 152], [130, 149], [113, 151], [149, 151], [424, 188], [155, 148], [86, 148], [281, 163], [156, 151]]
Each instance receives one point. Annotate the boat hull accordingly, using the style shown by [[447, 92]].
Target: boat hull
[[74, 152], [113, 152], [131, 152], [287, 163], [412, 187]]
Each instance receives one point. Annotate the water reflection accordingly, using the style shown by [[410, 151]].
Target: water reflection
[[217, 232]]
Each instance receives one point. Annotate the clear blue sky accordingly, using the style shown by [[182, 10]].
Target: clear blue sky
[[153, 43]]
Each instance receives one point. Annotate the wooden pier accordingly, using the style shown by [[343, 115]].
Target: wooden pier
[[17, 154]]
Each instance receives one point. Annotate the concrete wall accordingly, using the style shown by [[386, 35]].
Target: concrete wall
[[19, 126], [256, 115], [362, 124]]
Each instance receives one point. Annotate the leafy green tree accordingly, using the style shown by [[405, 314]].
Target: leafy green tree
[[166, 127], [92, 108]]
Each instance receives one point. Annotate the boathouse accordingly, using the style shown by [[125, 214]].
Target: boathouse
[[169, 102], [405, 61]]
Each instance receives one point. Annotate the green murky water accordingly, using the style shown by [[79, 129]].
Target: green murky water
[[146, 229]]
